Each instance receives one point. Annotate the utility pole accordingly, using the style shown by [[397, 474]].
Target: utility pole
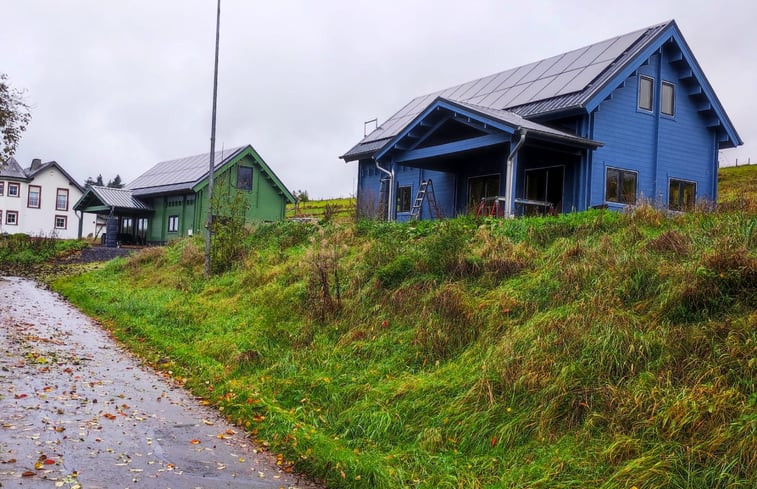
[[209, 224]]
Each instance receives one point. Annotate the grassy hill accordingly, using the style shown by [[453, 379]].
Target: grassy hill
[[341, 209], [597, 349]]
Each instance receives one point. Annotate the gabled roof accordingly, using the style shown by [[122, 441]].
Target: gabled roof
[[53, 164], [496, 126], [181, 173], [568, 83], [115, 198], [191, 172], [11, 169]]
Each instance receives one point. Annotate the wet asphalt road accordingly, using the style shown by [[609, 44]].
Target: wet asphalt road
[[78, 411]]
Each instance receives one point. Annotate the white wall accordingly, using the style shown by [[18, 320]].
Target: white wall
[[41, 221]]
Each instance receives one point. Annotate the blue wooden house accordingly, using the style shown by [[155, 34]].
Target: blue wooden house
[[629, 118]]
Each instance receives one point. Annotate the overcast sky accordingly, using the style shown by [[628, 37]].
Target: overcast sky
[[117, 86]]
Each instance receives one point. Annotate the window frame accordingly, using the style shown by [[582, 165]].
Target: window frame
[[173, 223], [65, 222], [29, 196], [252, 174], [15, 185], [2, 189], [15, 218], [409, 190], [57, 196], [680, 207], [621, 172], [672, 86], [651, 93]]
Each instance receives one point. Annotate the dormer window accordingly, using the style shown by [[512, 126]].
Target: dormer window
[[646, 92], [667, 99]]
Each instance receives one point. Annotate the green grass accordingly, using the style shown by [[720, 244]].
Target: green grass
[[597, 349], [342, 209], [23, 250]]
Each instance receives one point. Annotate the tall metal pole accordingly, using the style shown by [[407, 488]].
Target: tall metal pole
[[212, 148]]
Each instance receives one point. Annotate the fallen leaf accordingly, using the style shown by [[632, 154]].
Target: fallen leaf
[[110, 416], [195, 441], [20, 396], [28, 473], [49, 461]]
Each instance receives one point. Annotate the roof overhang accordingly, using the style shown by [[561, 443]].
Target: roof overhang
[[494, 127], [102, 200]]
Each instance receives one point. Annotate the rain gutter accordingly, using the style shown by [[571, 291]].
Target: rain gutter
[[389, 216]]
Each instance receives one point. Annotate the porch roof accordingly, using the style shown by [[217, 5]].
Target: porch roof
[[100, 200], [495, 126]]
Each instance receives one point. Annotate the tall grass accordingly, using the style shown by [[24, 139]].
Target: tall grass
[[589, 350]]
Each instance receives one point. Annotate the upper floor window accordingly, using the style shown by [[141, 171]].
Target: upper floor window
[[681, 195], [2, 188], [61, 200], [403, 199], [244, 178], [646, 92], [668, 99], [14, 189], [620, 186], [33, 198]]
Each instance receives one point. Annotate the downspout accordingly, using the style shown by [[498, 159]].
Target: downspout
[[81, 223], [510, 183], [389, 213]]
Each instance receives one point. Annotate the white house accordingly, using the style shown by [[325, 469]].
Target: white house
[[39, 201]]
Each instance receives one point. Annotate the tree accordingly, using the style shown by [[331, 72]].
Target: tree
[[116, 182], [14, 117], [90, 182], [301, 195]]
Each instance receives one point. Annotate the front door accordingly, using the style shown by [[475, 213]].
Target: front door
[[546, 185]]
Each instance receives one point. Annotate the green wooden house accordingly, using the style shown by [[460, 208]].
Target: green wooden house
[[170, 200]]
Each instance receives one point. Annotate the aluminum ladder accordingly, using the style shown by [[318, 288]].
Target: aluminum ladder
[[425, 191]]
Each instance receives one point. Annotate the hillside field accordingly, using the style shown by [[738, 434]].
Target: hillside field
[[589, 350]]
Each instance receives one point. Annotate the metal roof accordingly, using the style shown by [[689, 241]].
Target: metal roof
[[11, 169], [33, 172], [182, 173], [121, 198], [558, 83]]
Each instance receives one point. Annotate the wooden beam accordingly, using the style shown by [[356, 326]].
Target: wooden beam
[[451, 148]]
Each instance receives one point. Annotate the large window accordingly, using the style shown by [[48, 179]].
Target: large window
[[244, 178], [668, 99], [620, 186], [646, 92], [61, 222], [14, 189], [173, 224], [11, 218], [403, 199], [481, 188], [33, 198], [61, 200], [681, 195]]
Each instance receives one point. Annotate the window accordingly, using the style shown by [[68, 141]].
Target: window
[[11, 218], [2, 188], [620, 186], [681, 195], [481, 188], [667, 99], [61, 200], [646, 91], [14, 189], [403, 199], [127, 225], [173, 224], [33, 198], [61, 222], [244, 178]]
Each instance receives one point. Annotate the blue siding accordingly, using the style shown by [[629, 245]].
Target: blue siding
[[657, 146]]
